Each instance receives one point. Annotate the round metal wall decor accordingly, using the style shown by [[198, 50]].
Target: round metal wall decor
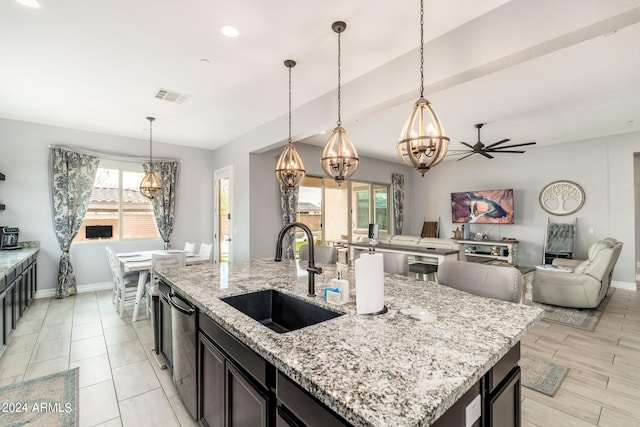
[[561, 197]]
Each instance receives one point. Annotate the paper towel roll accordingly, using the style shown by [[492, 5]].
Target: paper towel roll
[[369, 283]]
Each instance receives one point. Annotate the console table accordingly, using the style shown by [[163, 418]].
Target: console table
[[416, 253], [501, 250]]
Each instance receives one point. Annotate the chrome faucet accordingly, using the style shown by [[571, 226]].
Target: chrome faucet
[[311, 267]]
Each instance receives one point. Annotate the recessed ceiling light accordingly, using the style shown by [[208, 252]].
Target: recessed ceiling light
[[229, 31], [204, 61], [29, 3]]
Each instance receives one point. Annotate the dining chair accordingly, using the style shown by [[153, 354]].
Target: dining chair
[[322, 254], [395, 263], [161, 261], [190, 247], [205, 250], [125, 285]]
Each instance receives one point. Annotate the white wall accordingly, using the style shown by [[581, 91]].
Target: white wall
[[603, 167], [24, 160], [265, 194]]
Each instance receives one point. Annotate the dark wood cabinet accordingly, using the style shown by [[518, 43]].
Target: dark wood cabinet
[[17, 290], [210, 383], [246, 404], [228, 394]]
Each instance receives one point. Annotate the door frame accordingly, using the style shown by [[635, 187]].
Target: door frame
[[218, 174]]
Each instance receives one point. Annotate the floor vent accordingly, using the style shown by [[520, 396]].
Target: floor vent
[[171, 96]]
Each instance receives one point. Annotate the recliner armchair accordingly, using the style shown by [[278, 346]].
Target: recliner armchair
[[588, 283]]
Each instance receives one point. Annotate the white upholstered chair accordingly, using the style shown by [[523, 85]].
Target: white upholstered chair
[[190, 247], [491, 281], [205, 250]]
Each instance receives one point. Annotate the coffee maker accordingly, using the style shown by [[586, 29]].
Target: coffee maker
[[9, 238]]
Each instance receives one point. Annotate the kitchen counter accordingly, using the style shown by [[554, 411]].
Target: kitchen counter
[[385, 370], [9, 259]]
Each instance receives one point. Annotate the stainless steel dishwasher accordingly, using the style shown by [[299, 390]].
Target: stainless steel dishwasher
[[183, 338]]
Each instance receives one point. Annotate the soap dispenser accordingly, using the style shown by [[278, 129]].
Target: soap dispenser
[[343, 288]]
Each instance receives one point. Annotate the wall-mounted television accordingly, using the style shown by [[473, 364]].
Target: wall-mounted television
[[99, 231], [482, 207]]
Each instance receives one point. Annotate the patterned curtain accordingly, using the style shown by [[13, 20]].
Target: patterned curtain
[[289, 206], [72, 175], [164, 204], [397, 187]]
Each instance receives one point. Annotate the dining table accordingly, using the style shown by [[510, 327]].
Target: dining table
[[140, 261]]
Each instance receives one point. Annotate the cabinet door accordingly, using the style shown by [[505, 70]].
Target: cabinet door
[[246, 405], [3, 330], [210, 383], [164, 334], [9, 309], [503, 405]]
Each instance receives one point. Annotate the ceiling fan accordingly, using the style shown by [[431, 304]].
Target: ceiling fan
[[480, 148]]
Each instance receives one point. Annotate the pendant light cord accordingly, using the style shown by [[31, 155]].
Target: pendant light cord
[[289, 105], [151, 119], [421, 48], [339, 90]]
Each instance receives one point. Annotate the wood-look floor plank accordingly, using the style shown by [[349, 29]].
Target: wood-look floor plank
[[543, 415], [612, 418], [602, 387]]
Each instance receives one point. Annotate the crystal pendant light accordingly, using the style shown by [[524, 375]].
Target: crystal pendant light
[[422, 143], [339, 158], [290, 169], [150, 185]]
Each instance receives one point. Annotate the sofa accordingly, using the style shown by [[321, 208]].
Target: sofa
[[585, 286]]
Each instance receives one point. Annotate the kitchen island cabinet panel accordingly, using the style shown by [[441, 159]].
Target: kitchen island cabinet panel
[[246, 404], [210, 383]]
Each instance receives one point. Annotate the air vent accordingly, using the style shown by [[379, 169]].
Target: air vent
[[171, 96]]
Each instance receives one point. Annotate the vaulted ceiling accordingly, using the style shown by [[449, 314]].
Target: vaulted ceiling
[[544, 71]]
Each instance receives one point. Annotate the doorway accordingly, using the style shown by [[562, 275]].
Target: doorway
[[223, 222]]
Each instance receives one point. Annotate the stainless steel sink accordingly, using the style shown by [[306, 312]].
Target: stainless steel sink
[[278, 311]]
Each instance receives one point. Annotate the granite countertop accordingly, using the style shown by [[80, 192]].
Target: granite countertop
[[9, 259], [385, 370]]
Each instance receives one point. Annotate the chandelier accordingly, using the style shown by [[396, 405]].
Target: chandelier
[[339, 158], [422, 143], [150, 185], [289, 168]]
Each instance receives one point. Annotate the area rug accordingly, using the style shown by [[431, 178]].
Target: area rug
[[541, 375], [48, 401], [581, 318]]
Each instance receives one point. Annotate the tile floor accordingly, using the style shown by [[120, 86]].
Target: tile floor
[[120, 381]]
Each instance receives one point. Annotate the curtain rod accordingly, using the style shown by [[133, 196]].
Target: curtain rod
[[110, 155]]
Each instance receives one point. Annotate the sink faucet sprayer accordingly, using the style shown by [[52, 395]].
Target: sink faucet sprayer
[[311, 268]]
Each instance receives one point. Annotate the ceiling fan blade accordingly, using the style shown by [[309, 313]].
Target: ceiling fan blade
[[470, 154], [487, 155], [467, 145], [497, 143], [515, 145], [458, 153], [507, 151]]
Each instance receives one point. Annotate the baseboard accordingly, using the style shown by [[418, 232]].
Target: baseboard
[[92, 287], [629, 286]]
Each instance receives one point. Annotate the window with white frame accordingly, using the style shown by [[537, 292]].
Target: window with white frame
[[117, 208]]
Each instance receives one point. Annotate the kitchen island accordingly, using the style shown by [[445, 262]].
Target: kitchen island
[[392, 369]]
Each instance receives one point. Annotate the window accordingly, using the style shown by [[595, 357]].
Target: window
[[116, 205], [370, 205], [339, 213]]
